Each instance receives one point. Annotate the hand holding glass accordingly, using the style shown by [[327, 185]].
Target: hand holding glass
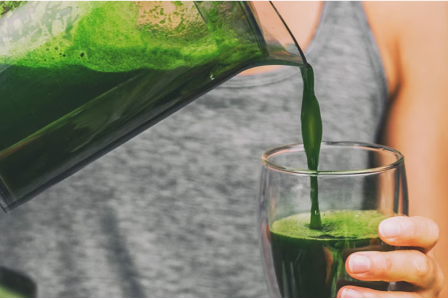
[[359, 185]]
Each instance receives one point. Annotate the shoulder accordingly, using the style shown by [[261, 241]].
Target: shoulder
[[406, 32]]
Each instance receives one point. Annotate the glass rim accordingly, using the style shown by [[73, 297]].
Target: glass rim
[[299, 146]]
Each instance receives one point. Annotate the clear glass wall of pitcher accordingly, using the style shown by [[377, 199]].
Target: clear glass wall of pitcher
[[78, 79]]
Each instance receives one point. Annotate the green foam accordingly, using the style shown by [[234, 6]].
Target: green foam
[[107, 37], [6, 6], [339, 224]]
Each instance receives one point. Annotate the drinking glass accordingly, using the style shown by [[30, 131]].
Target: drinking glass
[[359, 185]]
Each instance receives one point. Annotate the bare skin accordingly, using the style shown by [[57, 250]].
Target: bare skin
[[413, 41]]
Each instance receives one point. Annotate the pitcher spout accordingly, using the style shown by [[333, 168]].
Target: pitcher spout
[[251, 23], [274, 36]]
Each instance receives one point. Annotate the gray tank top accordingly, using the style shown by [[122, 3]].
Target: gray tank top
[[173, 212]]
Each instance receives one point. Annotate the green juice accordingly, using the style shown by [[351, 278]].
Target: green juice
[[311, 263], [312, 137], [78, 84]]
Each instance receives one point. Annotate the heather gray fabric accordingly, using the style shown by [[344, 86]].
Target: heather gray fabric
[[172, 213]]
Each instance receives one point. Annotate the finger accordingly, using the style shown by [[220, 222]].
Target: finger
[[409, 231], [357, 292], [384, 247], [402, 265]]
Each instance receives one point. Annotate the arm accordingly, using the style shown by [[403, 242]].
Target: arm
[[418, 120], [413, 42]]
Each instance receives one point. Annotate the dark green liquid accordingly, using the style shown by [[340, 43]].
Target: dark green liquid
[[312, 138], [311, 263], [69, 116]]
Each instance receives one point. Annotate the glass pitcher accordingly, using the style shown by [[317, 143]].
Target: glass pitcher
[[77, 79]]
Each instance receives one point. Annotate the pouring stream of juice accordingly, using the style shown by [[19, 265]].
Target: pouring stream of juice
[[311, 122], [312, 137]]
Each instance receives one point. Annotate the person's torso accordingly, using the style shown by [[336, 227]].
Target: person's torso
[[173, 212]]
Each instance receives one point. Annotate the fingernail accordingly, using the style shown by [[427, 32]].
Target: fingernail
[[358, 264], [389, 229], [349, 293]]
